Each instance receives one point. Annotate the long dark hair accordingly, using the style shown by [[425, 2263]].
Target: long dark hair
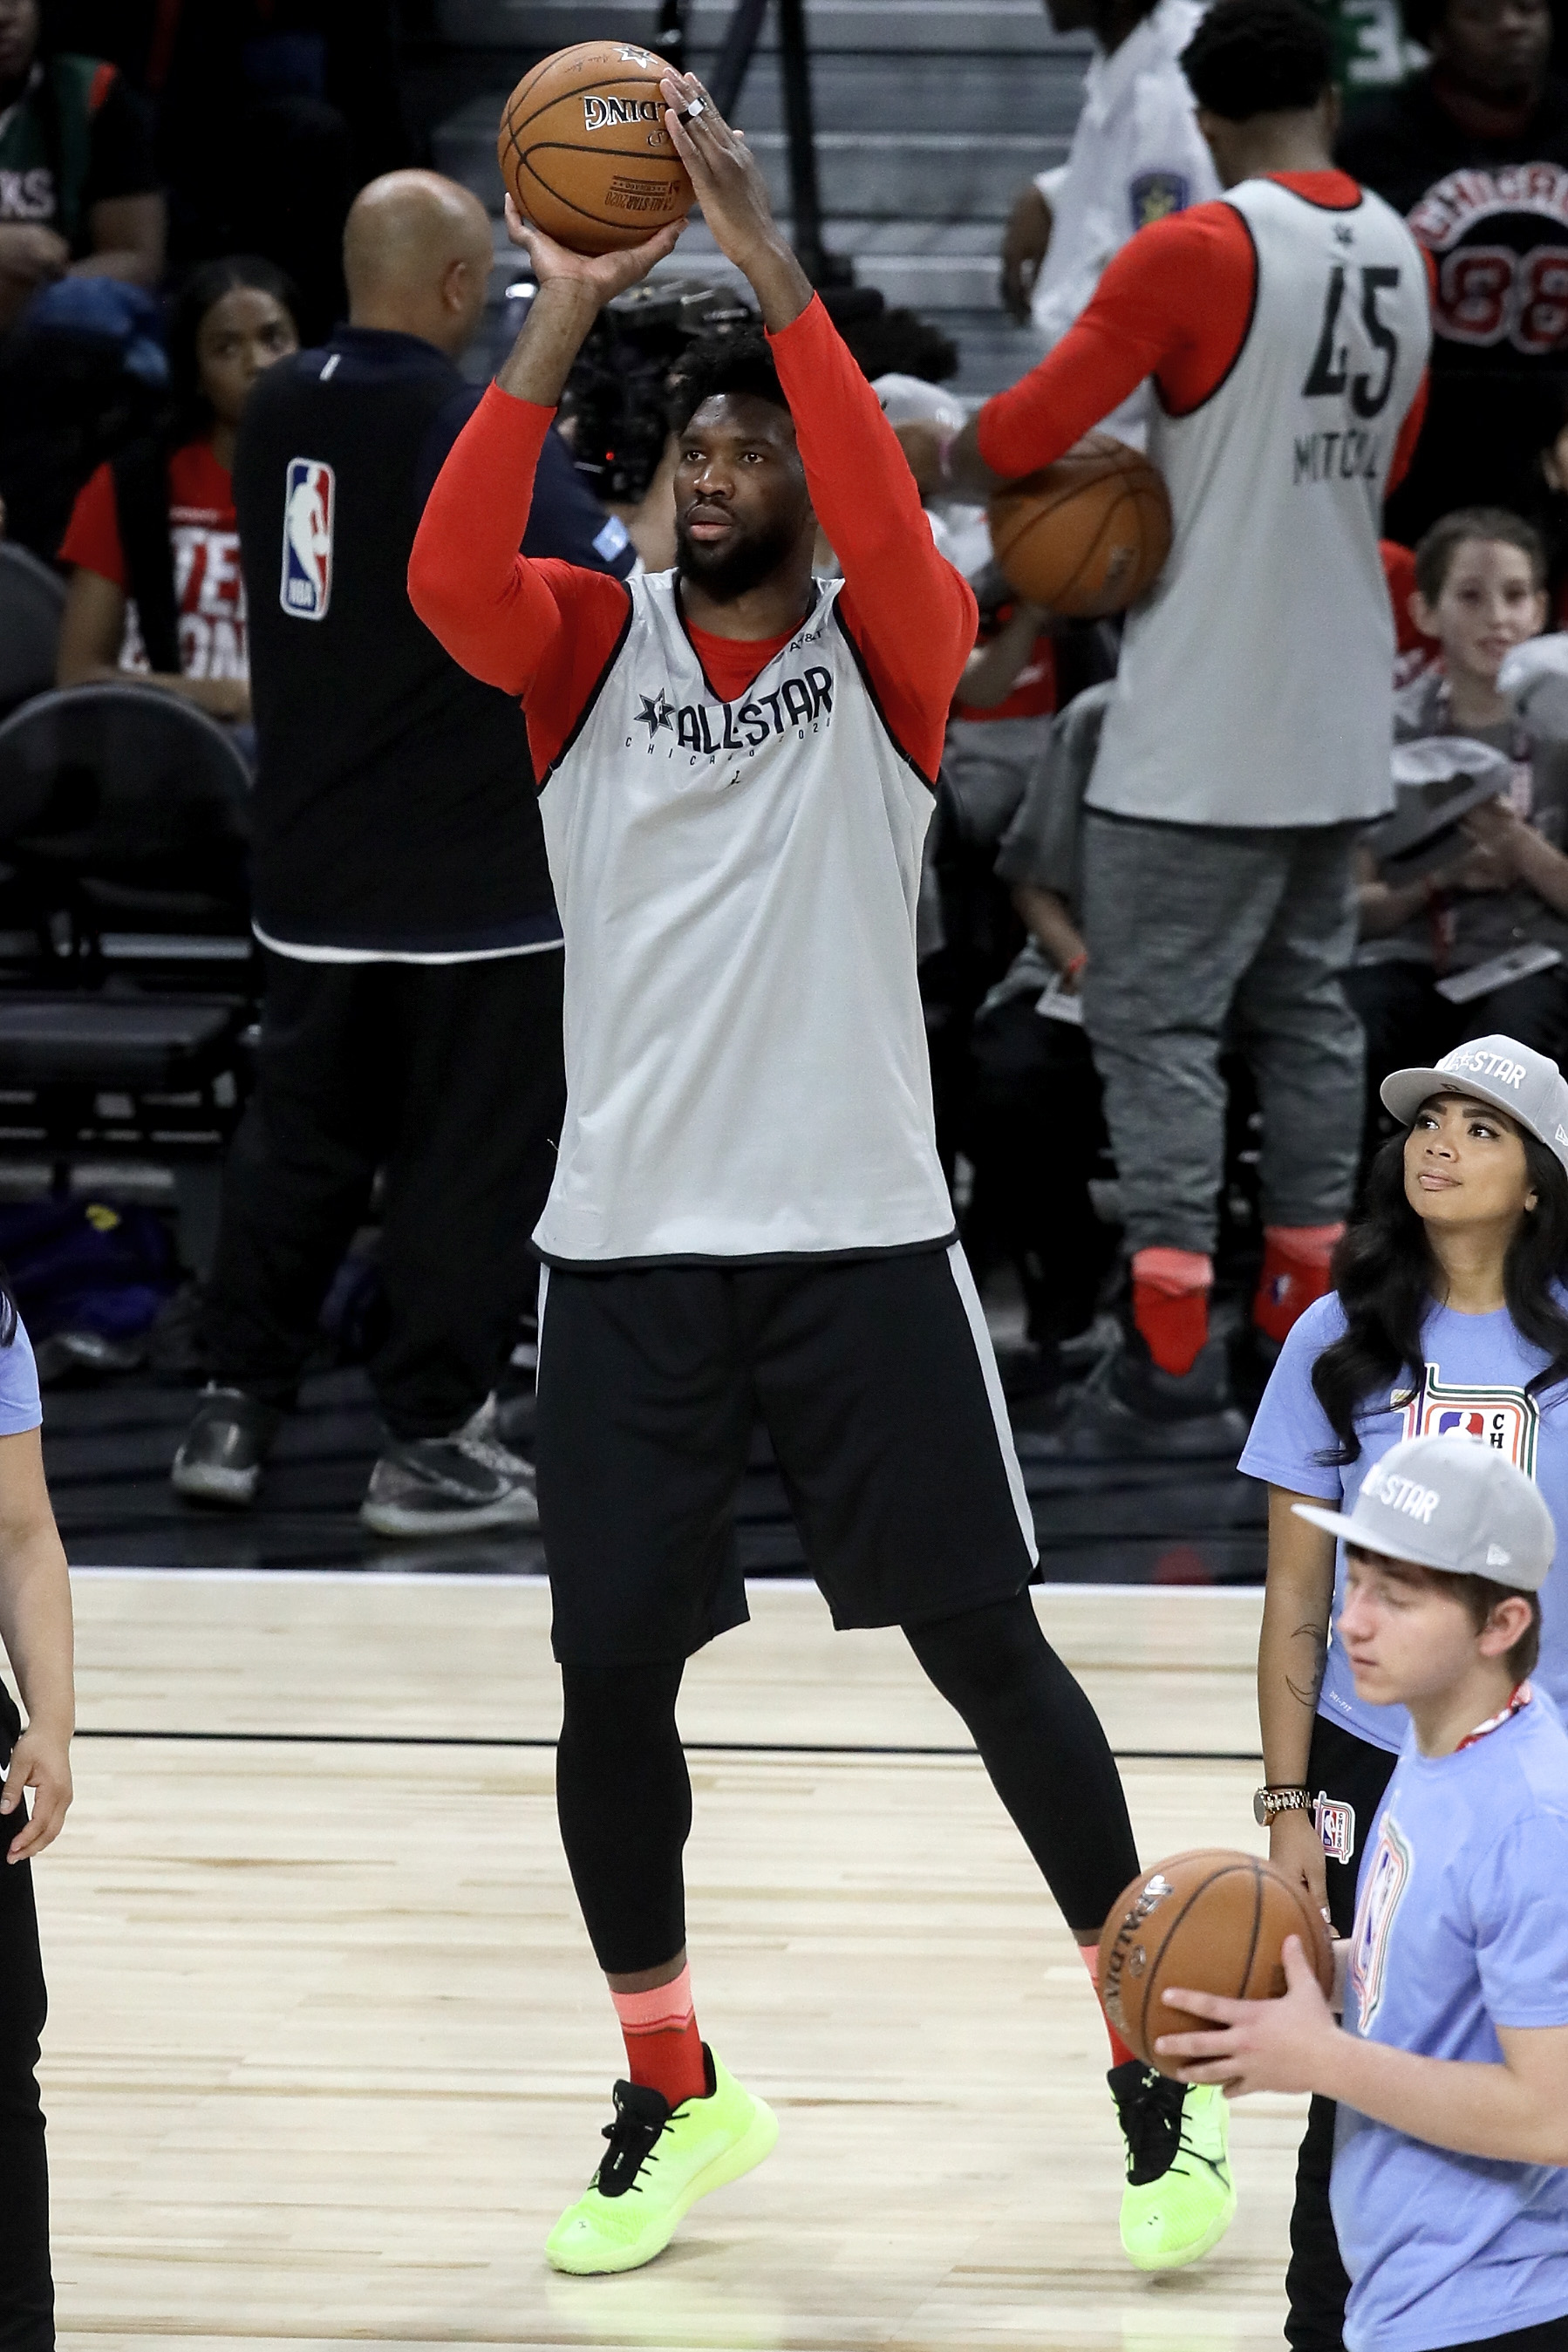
[[190, 411], [1383, 1271]]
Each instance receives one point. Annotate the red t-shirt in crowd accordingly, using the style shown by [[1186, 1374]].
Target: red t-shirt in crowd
[[209, 591], [1032, 694]]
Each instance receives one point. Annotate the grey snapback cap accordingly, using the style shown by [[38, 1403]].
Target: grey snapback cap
[[1449, 1503], [1529, 1085]]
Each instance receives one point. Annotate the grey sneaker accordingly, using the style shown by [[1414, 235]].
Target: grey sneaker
[[451, 1485], [224, 1450]]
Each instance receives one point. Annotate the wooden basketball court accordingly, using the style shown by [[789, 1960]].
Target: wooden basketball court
[[327, 2052]]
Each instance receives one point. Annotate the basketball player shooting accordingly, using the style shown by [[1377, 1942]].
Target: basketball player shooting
[[736, 766]]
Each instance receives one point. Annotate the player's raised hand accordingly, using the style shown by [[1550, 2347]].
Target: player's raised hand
[[1257, 2045], [604, 275], [734, 198]]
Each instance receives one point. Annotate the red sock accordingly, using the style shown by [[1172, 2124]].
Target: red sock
[[1295, 1260], [1119, 2053], [1171, 1304], [664, 2049]]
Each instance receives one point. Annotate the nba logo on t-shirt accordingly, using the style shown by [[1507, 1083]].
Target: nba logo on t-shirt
[[309, 500], [1336, 1827]]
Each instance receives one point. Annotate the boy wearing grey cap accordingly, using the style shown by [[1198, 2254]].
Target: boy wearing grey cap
[[1450, 2171]]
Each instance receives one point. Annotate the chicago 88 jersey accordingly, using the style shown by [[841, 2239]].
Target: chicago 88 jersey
[[1256, 679]]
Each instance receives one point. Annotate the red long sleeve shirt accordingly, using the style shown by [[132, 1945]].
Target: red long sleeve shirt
[[545, 631], [1174, 304]]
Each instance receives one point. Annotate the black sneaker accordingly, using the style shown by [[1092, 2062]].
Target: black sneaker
[[451, 1485], [1128, 1410], [224, 1450]]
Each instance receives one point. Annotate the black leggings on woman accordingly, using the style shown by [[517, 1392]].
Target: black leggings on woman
[[624, 1799], [26, 2288]]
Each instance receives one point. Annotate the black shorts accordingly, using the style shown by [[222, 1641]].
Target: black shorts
[[877, 1384]]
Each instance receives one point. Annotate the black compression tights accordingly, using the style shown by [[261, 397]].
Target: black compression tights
[[624, 1799]]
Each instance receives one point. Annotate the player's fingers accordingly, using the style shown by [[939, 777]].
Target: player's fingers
[[515, 227], [1193, 2047], [1298, 1969], [1206, 2004]]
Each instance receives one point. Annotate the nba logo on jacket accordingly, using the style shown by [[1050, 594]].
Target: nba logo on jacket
[[309, 500]]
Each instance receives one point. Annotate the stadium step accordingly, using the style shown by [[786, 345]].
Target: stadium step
[[971, 28], [930, 116]]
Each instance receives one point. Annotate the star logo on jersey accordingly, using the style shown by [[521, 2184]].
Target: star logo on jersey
[[655, 715], [1154, 195], [1343, 235]]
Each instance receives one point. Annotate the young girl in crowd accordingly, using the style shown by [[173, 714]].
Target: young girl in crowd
[[155, 589], [1448, 1318], [35, 1636]]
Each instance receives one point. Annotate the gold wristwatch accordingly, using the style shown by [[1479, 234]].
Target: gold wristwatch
[[1267, 1802]]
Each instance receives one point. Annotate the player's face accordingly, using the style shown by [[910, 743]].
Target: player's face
[[243, 332], [1489, 604], [18, 38], [1497, 48], [1465, 1167], [740, 499], [1406, 1640]]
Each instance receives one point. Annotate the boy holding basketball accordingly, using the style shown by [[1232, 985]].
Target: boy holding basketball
[[1450, 2175]]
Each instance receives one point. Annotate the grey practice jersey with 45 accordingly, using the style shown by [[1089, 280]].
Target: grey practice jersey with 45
[[1256, 682], [747, 1073]]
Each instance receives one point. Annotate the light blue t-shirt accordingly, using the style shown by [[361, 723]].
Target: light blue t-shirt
[[1476, 1370], [1461, 1926], [20, 1407]]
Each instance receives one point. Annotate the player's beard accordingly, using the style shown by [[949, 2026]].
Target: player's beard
[[732, 571]]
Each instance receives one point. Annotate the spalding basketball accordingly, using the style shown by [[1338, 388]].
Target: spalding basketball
[[1087, 535], [585, 152], [1212, 1921]]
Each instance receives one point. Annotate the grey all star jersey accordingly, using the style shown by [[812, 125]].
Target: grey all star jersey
[[746, 1063]]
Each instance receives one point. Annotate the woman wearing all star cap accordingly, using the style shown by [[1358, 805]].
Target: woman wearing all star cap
[[1448, 1318]]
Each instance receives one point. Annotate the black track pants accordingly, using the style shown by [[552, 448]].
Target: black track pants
[[624, 1799], [450, 1077]]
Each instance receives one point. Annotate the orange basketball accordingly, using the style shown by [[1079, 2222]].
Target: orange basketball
[[1085, 535], [585, 152], [1210, 1921]]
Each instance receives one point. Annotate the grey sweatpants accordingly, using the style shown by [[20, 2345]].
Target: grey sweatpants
[[1201, 937]]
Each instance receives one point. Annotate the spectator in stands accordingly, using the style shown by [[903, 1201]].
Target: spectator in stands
[[1498, 882], [1137, 154], [412, 1018], [272, 113], [156, 591], [1474, 152], [1036, 1128], [79, 193]]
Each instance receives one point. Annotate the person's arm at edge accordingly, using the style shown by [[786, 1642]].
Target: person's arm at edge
[[35, 1631]]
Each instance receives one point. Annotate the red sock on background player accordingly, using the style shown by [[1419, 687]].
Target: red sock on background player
[[1297, 1260], [1171, 1304]]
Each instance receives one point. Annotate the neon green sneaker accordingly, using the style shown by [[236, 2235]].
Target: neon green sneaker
[[661, 2160], [1179, 2200]]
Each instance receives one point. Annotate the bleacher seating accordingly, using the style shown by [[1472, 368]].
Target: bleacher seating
[[928, 119]]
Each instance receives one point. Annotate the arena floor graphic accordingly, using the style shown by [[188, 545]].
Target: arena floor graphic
[[327, 2051], [107, 1448]]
